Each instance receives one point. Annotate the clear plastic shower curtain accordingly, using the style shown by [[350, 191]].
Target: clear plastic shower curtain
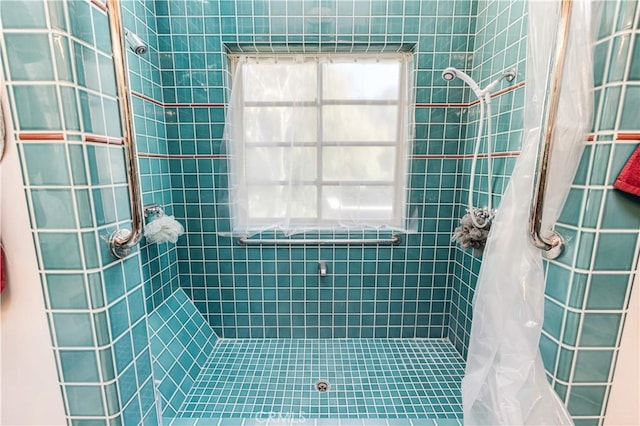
[[505, 382]]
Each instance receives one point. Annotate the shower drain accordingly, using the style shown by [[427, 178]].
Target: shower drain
[[322, 386]]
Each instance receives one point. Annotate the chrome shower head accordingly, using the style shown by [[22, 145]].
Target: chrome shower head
[[452, 73], [449, 73], [136, 44]]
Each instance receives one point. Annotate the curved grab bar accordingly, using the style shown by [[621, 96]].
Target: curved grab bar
[[552, 243], [122, 241]]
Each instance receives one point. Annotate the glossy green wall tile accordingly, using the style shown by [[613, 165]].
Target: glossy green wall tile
[[53, 208], [608, 291], [37, 107], [66, 291], [424, 287], [84, 400], [79, 366], [72, 331], [29, 57], [49, 64], [60, 250], [24, 14]]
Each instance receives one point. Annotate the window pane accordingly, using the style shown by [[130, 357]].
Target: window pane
[[358, 163], [311, 157], [280, 124], [364, 80], [272, 164], [271, 82], [360, 123], [280, 201], [357, 203]]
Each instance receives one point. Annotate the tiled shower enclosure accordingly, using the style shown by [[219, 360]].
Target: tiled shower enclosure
[[210, 329]]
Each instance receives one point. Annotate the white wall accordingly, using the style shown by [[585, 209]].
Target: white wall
[[29, 391], [623, 407]]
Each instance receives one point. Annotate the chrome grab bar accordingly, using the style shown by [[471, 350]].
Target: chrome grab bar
[[553, 243], [394, 240], [122, 241]]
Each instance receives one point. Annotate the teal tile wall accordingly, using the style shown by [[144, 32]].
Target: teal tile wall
[[500, 45], [159, 261], [181, 343], [588, 288], [275, 292], [60, 81], [424, 287]]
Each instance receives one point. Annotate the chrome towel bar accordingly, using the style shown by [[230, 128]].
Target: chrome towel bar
[[552, 243], [394, 240], [123, 240]]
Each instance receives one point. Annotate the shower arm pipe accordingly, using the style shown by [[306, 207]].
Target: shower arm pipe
[[552, 243], [123, 240]]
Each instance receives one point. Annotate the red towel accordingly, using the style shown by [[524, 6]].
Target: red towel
[[3, 276], [629, 177]]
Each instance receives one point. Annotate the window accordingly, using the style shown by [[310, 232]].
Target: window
[[318, 142]]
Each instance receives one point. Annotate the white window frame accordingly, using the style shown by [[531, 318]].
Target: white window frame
[[401, 145]]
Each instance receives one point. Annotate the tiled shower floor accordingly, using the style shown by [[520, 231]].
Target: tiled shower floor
[[369, 378]]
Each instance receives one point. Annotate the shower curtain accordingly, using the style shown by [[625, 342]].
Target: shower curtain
[[505, 382]]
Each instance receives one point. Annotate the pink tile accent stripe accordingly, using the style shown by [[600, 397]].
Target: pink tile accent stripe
[[417, 105], [103, 139], [147, 98], [99, 4], [417, 157], [619, 136], [464, 156], [183, 156], [470, 104], [49, 136], [177, 105], [628, 136], [195, 105]]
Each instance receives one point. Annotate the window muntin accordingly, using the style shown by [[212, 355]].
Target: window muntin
[[321, 142]]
